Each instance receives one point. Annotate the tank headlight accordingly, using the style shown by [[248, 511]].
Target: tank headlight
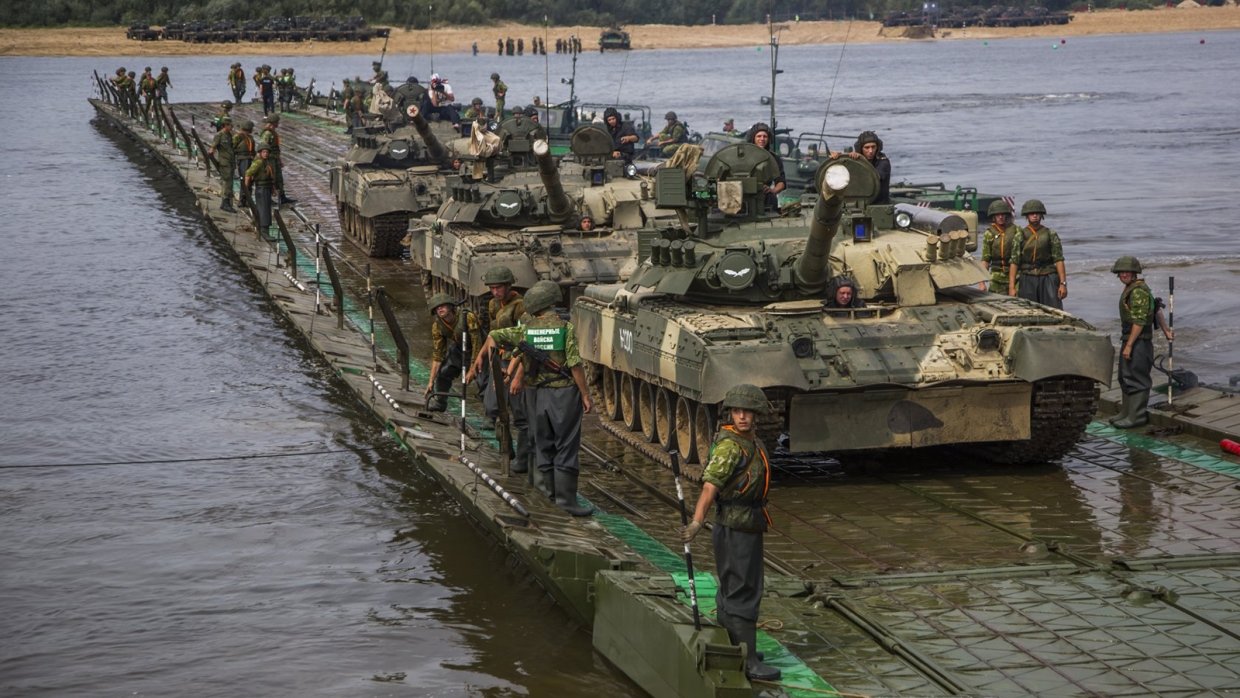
[[903, 219], [989, 340], [803, 347], [630, 170]]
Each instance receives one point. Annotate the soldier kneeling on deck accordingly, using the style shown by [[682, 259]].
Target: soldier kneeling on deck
[[454, 334], [736, 480], [556, 397]]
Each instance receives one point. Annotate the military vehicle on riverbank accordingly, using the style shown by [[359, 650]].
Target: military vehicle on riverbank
[[734, 293], [575, 223], [386, 178], [614, 39]]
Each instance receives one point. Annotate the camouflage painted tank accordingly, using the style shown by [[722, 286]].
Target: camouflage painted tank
[[521, 209], [385, 179], [738, 294]]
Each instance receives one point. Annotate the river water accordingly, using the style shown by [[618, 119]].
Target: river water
[[189, 503]]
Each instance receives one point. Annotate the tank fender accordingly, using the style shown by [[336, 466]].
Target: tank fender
[[1041, 352]]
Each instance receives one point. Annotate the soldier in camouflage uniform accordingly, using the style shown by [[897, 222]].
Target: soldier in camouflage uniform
[[673, 134], [150, 91], [505, 309], [163, 81], [1136, 358], [271, 138], [244, 150], [222, 150], [236, 81], [555, 402], [736, 480], [448, 357], [1036, 260], [261, 176], [996, 243], [500, 90]]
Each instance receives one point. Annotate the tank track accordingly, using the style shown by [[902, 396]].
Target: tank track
[[1062, 408], [379, 236]]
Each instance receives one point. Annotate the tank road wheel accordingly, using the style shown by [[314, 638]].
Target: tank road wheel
[[686, 439], [628, 402], [645, 405], [703, 431], [611, 396], [665, 417]]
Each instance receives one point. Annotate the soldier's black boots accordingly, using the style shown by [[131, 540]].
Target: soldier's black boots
[[520, 461], [227, 206], [742, 631], [566, 494], [1134, 412], [286, 200]]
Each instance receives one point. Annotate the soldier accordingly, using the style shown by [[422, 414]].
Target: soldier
[[285, 85], [842, 293], [267, 89], [762, 136], [870, 148], [149, 88], [672, 135], [448, 357], [500, 90], [475, 110], [505, 309], [381, 76], [1137, 316], [510, 46], [729, 127], [162, 83], [996, 243], [623, 136], [557, 396], [262, 176], [1037, 256], [236, 81], [500, 44], [244, 150], [357, 105], [222, 150], [225, 112], [271, 138], [520, 47], [736, 480]]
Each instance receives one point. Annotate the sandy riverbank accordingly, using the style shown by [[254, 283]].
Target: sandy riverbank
[[112, 42]]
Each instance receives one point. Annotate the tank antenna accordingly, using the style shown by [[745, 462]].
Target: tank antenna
[[835, 79], [623, 68], [546, 70]]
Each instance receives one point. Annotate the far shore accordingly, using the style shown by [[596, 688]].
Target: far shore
[[112, 41]]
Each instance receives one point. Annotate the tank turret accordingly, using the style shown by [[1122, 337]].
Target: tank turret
[[434, 148], [915, 354]]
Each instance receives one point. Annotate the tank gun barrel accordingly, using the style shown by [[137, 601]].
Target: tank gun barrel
[[558, 204], [813, 266], [433, 146]]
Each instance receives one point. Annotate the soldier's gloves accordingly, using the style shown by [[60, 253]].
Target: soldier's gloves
[[688, 533]]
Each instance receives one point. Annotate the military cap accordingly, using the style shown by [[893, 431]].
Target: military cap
[[746, 397]]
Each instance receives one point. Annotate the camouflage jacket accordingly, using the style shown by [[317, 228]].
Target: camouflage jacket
[[261, 172], [544, 331], [445, 340], [1136, 307], [996, 247], [739, 467], [223, 147], [1036, 249]]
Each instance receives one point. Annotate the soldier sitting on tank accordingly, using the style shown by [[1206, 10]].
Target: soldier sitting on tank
[[539, 132], [996, 244], [1037, 257], [842, 293], [869, 147], [623, 136], [438, 101], [447, 353], [762, 136], [671, 137]]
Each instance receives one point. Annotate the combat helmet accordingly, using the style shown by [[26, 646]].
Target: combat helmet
[[531, 110], [437, 300], [498, 275], [1033, 206], [746, 397], [868, 137], [1126, 263], [495, 76], [476, 101], [670, 116], [541, 296], [247, 125], [998, 206]]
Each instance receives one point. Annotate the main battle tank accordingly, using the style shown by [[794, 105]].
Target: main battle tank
[[520, 209], [386, 178], [737, 294]]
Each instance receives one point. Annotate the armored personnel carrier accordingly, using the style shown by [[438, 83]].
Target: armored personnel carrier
[[736, 294], [386, 178], [575, 223]]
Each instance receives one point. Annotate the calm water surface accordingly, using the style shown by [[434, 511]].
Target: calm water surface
[[315, 561]]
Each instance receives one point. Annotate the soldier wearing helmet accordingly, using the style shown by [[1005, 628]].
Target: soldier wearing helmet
[[1036, 260], [475, 110], [455, 341], [500, 90], [762, 136], [996, 243], [261, 175], [236, 81], [505, 308], [244, 149], [623, 136], [736, 480], [556, 395], [669, 139], [222, 150], [869, 147], [163, 81], [1138, 316]]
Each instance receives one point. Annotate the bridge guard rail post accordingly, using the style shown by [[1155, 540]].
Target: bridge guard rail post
[[288, 241], [337, 288], [402, 346]]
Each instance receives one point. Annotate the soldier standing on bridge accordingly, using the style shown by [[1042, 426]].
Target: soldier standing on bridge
[[267, 89], [150, 91], [1037, 257], [736, 480], [236, 81], [996, 244], [448, 357], [162, 82], [262, 176], [244, 149], [556, 396], [222, 150], [270, 137], [505, 309], [1138, 314]]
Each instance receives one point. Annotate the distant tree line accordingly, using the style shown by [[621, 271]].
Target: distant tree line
[[417, 15]]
